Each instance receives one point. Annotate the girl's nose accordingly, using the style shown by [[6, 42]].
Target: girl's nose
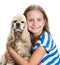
[[34, 23]]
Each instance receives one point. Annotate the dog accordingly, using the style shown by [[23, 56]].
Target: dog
[[19, 38]]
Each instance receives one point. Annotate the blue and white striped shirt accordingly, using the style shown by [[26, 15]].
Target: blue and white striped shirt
[[52, 56]]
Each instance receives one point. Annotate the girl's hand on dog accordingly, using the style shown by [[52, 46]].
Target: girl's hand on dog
[[0, 63], [8, 57]]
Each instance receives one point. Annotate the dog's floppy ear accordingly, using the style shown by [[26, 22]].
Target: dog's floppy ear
[[25, 34], [11, 37], [12, 25]]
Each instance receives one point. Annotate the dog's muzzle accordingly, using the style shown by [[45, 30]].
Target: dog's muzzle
[[17, 25]]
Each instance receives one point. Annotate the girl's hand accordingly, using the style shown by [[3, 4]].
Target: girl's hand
[[8, 57], [0, 63]]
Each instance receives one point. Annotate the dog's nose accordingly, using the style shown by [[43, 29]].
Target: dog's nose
[[17, 25]]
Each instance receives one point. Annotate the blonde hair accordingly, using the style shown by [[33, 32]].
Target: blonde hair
[[37, 7]]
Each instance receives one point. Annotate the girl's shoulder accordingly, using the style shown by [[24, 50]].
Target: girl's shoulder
[[45, 35]]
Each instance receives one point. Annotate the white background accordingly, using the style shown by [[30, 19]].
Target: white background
[[9, 8]]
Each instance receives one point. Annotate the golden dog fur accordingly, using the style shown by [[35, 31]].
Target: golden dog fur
[[19, 38]]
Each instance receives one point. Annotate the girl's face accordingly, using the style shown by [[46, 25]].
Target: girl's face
[[35, 22]]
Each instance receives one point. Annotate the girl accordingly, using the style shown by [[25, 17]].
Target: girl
[[44, 50]]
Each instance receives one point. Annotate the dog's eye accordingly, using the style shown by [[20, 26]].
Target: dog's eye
[[22, 21], [15, 21]]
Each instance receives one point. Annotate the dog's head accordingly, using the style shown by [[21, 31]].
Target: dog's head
[[18, 23]]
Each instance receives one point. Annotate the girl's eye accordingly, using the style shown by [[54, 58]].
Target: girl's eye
[[30, 20], [39, 19]]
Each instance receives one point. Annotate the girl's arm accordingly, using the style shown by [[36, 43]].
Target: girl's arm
[[8, 57], [34, 59]]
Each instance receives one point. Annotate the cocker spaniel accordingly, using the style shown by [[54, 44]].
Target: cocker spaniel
[[19, 38]]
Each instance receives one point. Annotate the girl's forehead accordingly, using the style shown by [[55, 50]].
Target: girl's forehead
[[35, 13]]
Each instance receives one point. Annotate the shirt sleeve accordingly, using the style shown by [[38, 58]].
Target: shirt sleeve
[[46, 41]]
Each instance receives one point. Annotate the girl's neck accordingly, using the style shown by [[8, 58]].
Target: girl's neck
[[37, 35], [34, 37]]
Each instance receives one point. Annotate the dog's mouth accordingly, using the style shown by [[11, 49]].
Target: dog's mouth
[[16, 27], [18, 31]]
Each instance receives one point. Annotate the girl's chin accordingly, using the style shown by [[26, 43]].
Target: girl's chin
[[35, 32]]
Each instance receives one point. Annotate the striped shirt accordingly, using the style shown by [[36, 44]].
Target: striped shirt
[[52, 56]]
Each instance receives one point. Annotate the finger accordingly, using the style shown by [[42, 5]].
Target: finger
[[0, 62], [10, 59]]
